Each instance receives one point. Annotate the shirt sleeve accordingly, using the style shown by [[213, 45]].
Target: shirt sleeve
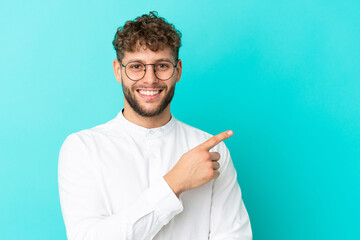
[[229, 218], [84, 208]]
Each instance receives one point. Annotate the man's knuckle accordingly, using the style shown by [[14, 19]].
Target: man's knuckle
[[205, 155]]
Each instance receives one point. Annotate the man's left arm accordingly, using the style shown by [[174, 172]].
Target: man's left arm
[[229, 218]]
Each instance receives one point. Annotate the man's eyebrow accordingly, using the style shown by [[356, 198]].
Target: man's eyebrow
[[163, 59], [135, 60], [157, 60]]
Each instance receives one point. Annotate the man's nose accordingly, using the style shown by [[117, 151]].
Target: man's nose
[[150, 76]]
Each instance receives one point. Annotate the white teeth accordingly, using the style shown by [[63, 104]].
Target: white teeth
[[149, 93]]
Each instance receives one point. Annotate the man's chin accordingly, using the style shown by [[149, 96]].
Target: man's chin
[[149, 112]]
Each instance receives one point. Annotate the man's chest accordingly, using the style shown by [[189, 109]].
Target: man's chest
[[127, 167]]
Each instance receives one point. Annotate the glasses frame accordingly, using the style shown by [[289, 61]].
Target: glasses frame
[[145, 68]]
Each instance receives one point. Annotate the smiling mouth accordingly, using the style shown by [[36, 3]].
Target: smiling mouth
[[152, 92]]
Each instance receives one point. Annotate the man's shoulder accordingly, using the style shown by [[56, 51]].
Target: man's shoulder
[[200, 135], [188, 129], [84, 136]]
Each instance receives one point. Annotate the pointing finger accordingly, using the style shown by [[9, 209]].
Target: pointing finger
[[215, 140]]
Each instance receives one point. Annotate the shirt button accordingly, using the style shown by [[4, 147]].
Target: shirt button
[[151, 132]]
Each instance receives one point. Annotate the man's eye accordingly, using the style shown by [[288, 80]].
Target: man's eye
[[163, 66], [136, 66]]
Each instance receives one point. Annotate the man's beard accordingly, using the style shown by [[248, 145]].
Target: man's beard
[[134, 104]]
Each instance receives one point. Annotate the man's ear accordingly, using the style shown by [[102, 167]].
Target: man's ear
[[179, 70], [117, 70]]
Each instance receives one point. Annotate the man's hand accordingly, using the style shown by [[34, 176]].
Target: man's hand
[[196, 167]]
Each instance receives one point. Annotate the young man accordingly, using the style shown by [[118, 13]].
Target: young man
[[144, 174]]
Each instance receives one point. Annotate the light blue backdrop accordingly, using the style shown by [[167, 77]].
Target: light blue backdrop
[[284, 75]]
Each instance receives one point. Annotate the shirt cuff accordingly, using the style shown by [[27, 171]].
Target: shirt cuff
[[163, 200]]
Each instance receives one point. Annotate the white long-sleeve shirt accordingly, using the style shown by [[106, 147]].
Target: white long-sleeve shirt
[[111, 186]]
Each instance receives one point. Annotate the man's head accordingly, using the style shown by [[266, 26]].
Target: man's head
[[149, 31], [147, 63]]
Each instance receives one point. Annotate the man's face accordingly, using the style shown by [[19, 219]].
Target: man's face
[[139, 94]]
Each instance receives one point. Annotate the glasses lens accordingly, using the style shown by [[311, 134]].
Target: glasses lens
[[164, 70], [135, 70]]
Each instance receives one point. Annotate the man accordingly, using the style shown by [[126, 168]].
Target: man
[[144, 174]]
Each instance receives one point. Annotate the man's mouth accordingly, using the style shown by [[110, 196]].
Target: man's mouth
[[149, 94]]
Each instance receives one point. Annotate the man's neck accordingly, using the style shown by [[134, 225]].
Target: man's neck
[[147, 122]]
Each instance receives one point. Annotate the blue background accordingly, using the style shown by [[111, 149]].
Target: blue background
[[284, 75]]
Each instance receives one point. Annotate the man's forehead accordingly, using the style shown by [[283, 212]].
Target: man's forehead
[[146, 54]]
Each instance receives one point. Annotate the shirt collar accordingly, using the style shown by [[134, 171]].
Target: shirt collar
[[146, 132]]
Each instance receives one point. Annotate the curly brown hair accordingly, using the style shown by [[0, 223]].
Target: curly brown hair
[[149, 31]]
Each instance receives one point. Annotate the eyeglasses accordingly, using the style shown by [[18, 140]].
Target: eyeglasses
[[163, 70]]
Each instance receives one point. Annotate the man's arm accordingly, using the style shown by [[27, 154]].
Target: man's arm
[[87, 215], [197, 166], [229, 218]]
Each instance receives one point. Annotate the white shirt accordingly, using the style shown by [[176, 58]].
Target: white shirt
[[111, 186]]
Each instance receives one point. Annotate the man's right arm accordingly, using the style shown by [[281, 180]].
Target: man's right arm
[[87, 215]]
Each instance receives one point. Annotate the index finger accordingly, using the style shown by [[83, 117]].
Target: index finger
[[215, 140]]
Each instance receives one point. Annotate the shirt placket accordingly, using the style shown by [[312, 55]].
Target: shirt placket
[[153, 156]]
